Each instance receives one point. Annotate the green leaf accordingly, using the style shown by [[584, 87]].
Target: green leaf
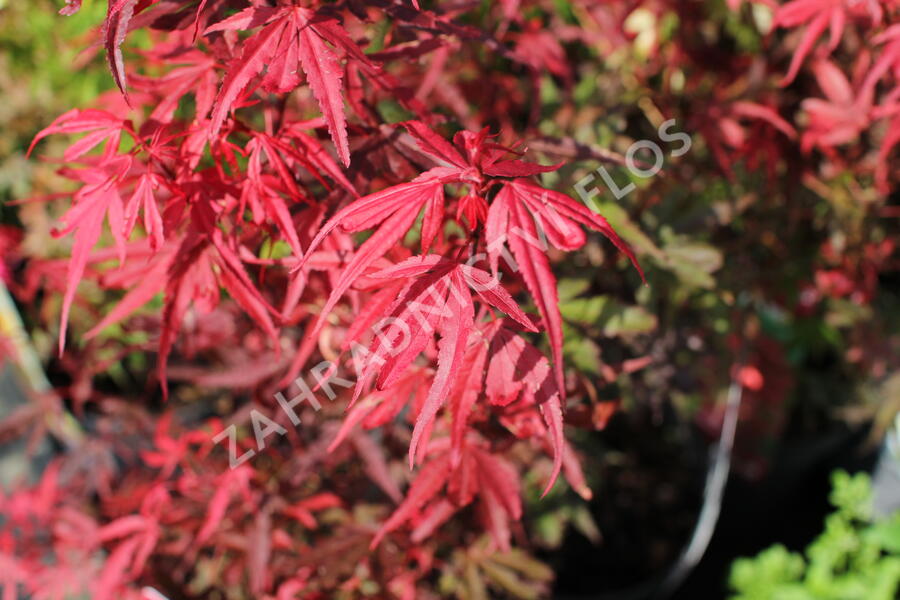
[[693, 262], [568, 288], [584, 353], [613, 317], [523, 563]]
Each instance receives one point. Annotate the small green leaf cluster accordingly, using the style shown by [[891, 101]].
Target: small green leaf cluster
[[857, 556]]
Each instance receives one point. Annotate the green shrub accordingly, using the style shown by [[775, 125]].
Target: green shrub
[[856, 556]]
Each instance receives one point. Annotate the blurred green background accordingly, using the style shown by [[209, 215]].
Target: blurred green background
[[47, 66]]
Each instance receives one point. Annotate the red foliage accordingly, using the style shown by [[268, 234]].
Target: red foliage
[[231, 138]]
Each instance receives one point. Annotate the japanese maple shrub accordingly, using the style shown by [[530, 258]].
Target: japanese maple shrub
[[332, 197], [232, 181]]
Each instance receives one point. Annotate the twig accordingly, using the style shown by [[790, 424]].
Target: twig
[[714, 489]]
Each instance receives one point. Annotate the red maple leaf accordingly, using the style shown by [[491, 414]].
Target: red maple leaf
[[291, 36]]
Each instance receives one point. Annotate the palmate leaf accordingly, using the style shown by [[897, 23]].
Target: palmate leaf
[[324, 75], [436, 298], [99, 125], [187, 272], [256, 53], [479, 474], [520, 215], [291, 37], [98, 199], [518, 372], [394, 209], [465, 394], [451, 350]]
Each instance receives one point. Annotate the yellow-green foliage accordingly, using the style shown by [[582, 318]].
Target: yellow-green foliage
[[854, 558], [44, 71]]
